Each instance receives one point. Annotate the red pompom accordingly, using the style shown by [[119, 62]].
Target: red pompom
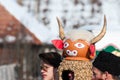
[[58, 44]]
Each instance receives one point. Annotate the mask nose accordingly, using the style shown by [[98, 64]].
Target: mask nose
[[72, 53]]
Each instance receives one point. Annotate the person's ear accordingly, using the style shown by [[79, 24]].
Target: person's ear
[[107, 75], [55, 71]]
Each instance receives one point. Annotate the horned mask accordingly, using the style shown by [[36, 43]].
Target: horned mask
[[78, 49]]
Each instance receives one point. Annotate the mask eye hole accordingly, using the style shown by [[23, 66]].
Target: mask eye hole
[[66, 44], [79, 45], [74, 52]]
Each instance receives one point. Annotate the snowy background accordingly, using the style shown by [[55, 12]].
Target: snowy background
[[85, 15]]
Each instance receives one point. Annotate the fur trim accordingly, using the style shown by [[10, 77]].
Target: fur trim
[[80, 34]]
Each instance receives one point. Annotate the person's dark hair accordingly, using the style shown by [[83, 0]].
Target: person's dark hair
[[52, 58]]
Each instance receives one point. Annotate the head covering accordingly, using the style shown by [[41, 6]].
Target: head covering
[[105, 61], [112, 49], [52, 58]]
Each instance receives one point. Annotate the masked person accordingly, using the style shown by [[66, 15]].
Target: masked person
[[78, 49], [49, 64], [106, 66]]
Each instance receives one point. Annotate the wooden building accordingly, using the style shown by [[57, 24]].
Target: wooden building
[[18, 46]]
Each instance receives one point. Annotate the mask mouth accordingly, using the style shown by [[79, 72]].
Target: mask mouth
[[67, 75], [76, 58]]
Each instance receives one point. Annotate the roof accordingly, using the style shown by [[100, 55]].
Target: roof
[[11, 29]]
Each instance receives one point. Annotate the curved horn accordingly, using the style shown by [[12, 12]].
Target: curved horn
[[61, 31], [101, 34]]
